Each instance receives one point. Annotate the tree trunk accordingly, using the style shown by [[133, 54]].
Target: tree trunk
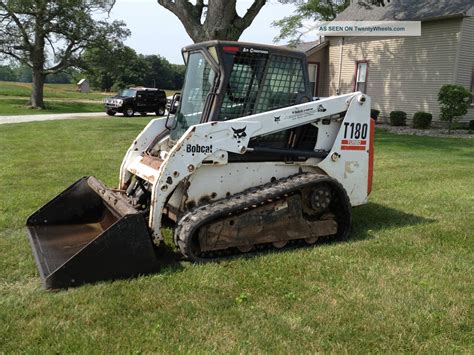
[[221, 18], [220, 21], [36, 100]]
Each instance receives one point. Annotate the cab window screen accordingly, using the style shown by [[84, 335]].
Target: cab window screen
[[283, 82], [243, 86]]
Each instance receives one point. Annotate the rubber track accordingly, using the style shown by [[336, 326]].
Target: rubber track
[[248, 199]]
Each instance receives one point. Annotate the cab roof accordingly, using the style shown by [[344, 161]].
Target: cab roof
[[232, 45]]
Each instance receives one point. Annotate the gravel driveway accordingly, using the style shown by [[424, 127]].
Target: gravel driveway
[[48, 117]]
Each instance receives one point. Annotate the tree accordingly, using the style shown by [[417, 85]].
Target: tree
[[49, 36], [7, 73], [454, 101], [113, 66], [163, 74], [118, 66], [292, 27], [217, 19]]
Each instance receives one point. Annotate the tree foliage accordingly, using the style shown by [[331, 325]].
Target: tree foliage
[[162, 74], [22, 73], [292, 27], [114, 67], [49, 36], [454, 101], [214, 19]]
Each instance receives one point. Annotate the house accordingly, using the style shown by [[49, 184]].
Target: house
[[83, 86], [399, 73]]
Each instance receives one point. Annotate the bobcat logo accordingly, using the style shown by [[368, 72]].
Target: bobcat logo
[[321, 108], [239, 133], [277, 118]]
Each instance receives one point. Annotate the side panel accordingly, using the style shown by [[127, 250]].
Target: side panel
[[348, 160]]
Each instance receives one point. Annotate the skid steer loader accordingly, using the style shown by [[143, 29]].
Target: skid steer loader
[[248, 162]]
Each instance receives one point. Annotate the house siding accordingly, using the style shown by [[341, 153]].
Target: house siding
[[322, 57], [404, 73], [465, 61]]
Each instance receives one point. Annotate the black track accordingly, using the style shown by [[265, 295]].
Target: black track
[[189, 225]]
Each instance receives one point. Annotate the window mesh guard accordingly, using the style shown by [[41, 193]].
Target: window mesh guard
[[249, 93], [254, 89], [243, 87], [283, 82]]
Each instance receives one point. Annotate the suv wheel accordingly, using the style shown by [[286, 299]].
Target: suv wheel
[[111, 112], [161, 111], [129, 111]]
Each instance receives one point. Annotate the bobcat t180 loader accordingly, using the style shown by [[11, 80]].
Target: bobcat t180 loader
[[249, 161]]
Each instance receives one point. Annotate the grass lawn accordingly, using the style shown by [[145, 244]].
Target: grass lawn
[[60, 91], [59, 98], [404, 283]]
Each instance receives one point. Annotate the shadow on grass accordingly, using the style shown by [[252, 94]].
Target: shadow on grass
[[376, 217], [168, 258], [370, 217]]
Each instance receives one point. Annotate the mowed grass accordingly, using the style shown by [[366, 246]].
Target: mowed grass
[[403, 283], [60, 91], [59, 98]]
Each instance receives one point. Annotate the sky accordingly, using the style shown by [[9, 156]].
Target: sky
[[156, 30]]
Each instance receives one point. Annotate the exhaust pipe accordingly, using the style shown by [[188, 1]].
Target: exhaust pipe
[[89, 233]]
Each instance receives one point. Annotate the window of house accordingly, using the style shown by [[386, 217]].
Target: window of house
[[362, 71], [313, 70]]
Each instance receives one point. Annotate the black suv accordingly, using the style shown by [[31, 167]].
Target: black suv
[[133, 100]]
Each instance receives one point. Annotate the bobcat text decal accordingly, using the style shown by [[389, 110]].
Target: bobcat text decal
[[198, 148]]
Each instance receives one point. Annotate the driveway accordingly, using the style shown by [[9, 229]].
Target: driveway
[[49, 117]]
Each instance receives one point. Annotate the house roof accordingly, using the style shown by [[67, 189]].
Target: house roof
[[309, 47], [408, 10], [306, 46]]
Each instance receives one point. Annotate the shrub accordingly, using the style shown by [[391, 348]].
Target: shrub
[[398, 118], [422, 120], [471, 125], [374, 114], [454, 101]]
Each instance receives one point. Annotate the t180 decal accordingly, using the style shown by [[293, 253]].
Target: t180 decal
[[355, 135], [355, 130]]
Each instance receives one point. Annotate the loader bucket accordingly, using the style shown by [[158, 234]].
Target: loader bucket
[[89, 233]]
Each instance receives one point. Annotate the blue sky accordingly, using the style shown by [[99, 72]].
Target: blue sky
[[155, 30]]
